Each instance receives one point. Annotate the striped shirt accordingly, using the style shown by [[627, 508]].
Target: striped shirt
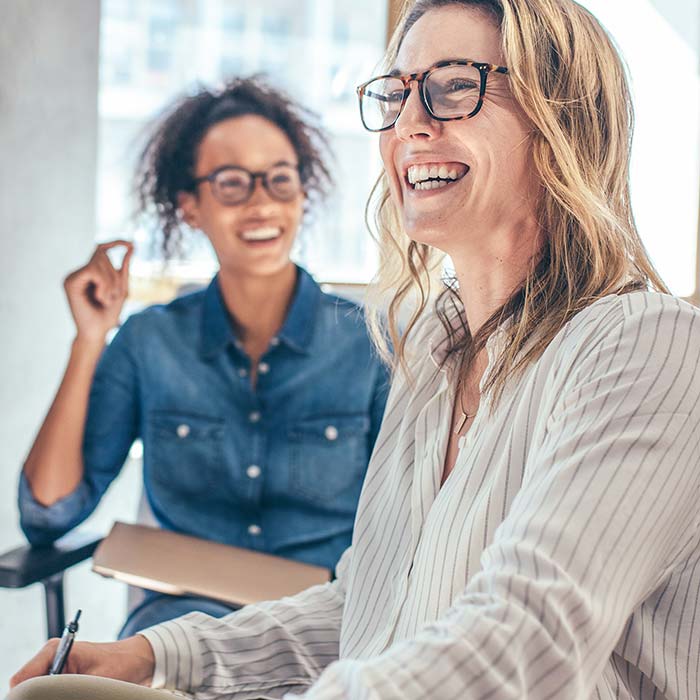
[[560, 559]]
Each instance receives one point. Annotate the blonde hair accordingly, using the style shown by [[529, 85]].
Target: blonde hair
[[570, 82]]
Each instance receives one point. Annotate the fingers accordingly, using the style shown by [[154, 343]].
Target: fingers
[[39, 665], [124, 270], [113, 244], [118, 277], [102, 283], [108, 284]]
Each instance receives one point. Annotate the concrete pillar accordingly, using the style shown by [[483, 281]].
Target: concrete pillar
[[48, 142]]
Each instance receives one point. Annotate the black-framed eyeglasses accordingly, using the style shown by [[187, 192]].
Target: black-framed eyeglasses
[[231, 184], [449, 90]]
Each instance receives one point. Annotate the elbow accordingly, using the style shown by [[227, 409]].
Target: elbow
[[39, 539], [44, 517], [46, 493], [38, 536]]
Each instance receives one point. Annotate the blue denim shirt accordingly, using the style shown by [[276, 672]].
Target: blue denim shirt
[[277, 468]]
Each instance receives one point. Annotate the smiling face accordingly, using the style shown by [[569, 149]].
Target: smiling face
[[458, 184], [256, 237]]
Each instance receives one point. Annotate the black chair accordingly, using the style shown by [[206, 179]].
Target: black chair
[[26, 565]]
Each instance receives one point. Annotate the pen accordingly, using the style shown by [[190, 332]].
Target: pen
[[64, 646]]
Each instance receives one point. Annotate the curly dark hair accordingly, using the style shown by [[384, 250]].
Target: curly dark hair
[[166, 164]]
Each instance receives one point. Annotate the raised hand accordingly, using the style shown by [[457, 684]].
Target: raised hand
[[96, 292]]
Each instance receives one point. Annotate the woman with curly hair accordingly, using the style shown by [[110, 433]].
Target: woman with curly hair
[[257, 399]]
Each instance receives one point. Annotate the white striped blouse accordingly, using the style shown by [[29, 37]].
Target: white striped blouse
[[560, 559]]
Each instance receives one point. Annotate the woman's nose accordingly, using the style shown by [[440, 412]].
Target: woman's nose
[[259, 194], [414, 120]]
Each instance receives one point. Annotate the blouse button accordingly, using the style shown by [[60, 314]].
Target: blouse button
[[275, 341], [331, 432], [254, 416], [263, 368], [183, 430], [242, 372], [253, 471], [254, 530]]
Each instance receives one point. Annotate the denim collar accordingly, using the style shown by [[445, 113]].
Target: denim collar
[[297, 329]]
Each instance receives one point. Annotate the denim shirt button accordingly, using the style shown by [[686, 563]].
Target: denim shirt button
[[275, 342], [263, 368], [331, 432], [254, 416], [254, 530], [242, 372], [183, 430], [253, 471]]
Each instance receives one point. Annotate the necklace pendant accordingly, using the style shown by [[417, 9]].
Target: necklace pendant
[[460, 423]]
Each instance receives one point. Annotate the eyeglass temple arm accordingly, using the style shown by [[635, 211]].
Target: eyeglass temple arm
[[378, 96]]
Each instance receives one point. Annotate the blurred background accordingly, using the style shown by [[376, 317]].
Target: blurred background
[[81, 78]]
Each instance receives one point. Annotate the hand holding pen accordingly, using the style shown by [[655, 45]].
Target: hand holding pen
[[130, 660], [64, 646]]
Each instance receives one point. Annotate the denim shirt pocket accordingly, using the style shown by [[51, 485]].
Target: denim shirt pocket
[[185, 452], [328, 456]]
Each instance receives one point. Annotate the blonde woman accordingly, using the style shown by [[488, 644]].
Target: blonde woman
[[528, 527]]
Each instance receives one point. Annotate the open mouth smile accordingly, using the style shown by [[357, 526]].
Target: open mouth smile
[[433, 176], [265, 233]]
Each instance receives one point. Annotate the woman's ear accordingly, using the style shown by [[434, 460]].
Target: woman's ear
[[189, 206]]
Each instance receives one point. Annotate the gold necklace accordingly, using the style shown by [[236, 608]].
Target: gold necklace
[[464, 416]]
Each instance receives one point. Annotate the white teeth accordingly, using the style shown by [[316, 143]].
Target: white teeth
[[427, 176], [431, 185], [261, 234]]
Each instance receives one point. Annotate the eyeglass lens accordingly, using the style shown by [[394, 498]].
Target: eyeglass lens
[[450, 91], [235, 185]]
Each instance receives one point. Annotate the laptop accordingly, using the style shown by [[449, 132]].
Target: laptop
[[168, 562]]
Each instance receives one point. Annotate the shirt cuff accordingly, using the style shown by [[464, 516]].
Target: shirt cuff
[[50, 521], [178, 658]]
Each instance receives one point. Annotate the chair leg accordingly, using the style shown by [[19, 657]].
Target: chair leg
[[55, 613]]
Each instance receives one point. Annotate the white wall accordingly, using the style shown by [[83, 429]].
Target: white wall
[[48, 141]]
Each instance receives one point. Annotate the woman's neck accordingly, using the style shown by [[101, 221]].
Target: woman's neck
[[258, 305], [489, 275]]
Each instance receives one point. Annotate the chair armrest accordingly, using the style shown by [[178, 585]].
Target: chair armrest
[[25, 565]]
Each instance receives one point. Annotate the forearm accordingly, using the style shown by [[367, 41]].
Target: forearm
[[54, 467], [497, 644], [270, 648]]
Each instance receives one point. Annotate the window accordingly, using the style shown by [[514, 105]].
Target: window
[[318, 51], [659, 41]]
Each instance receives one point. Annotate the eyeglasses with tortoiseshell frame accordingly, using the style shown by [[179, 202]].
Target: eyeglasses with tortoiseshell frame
[[449, 90]]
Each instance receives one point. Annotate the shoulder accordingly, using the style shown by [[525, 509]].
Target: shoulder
[[639, 317], [335, 301], [176, 316], [635, 339], [343, 313]]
